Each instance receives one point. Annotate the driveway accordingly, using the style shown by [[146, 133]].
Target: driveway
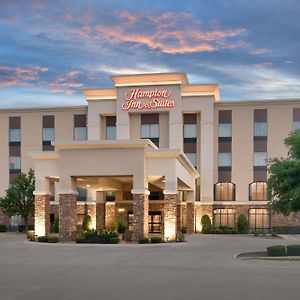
[[202, 268]]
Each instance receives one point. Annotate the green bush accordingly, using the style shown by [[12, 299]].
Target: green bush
[[3, 228], [156, 240], [293, 250], [206, 224], [233, 231], [42, 239], [30, 235], [242, 224], [180, 237], [274, 234], [53, 239], [86, 223], [100, 236], [80, 239], [56, 225], [128, 236], [143, 240], [276, 250], [114, 241], [218, 231], [121, 227]]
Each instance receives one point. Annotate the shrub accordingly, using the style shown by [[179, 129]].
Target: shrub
[[30, 235], [274, 234], [293, 250], [256, 233], [86, 223], [218, 231], [233, 231], [206, 224], [114, 241], [101, 236], [42, 239], [180, 237], [121, 228], [3, 228], [80, 239], [143, 240], [242, 224], [52, 239], [276, 250], [156, 240], [128, 236], [56, 225]]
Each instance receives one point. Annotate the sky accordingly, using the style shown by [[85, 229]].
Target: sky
[[50, 50]]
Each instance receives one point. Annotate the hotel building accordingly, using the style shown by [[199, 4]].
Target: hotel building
[[154, 153]]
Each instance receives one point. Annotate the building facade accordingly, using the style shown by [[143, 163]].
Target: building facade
[[154, 153]]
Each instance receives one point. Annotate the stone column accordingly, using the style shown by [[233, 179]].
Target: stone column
[[170, 216], [42, 214], [178, 218], [110, 214], [100, 215], [190, 217], [140, 215], [67, 217]]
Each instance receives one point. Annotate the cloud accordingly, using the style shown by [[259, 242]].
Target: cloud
[[135, 70], [17, 76], [170, 33], [263, 65], [260, 51]]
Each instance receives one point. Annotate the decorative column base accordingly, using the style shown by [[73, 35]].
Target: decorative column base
[[190, 218], [170, 217], [67, 217], [140, 216], [42, 215]]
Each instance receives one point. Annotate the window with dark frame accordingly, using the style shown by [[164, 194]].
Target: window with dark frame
[[224, 191], [150, 127], [224, 217]]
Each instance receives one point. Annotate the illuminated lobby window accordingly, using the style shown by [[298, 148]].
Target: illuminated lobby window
[[155, 222], [224, 217], [224, 191], [259, 218], [258, 191]]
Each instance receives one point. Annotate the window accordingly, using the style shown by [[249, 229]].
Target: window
[[130, 221], [259, 219], [225, 130], [150, 127], [296, 125], [14, 135], [80, 133], [224, 159], [224, 191], [224, 217], [80, 130], [258, 191], [155, 221], [260, 159], [111, 132], [192, 158], [260, 129], [15, 163], [82, 194], [110, 196], [48, 134], [190, 131], [15, 221]]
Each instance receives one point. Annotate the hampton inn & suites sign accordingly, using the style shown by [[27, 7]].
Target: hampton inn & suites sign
[[147, 99]]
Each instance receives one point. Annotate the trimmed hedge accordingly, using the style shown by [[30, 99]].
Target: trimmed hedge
[[80, 240], [276, 250], [206, 224], [293, 250], [156, 240], [86, 223], [3, 228], [143, 240], [242, 224], [42, 239], [53, 239]]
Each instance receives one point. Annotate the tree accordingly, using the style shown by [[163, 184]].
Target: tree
[[19, 199], [284, 181]]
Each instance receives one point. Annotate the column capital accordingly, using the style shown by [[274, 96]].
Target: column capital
[[170, 192], [140, 191], [41, 193], [68, 192]]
